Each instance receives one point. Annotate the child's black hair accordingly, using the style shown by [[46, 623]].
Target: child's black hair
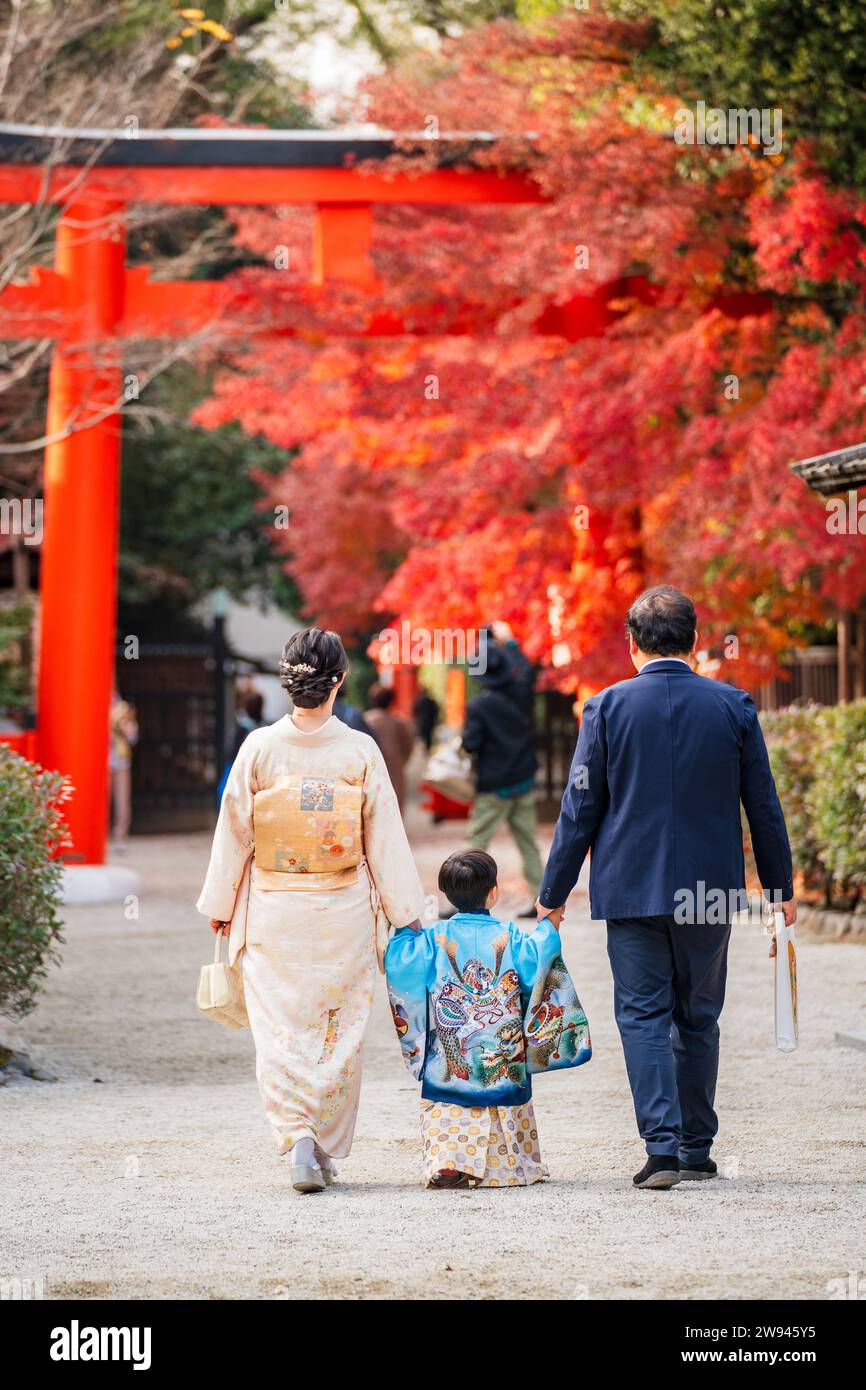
[[466, 879]]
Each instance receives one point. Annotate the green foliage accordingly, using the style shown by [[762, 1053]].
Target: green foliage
[[32, 831], [528, 10], [362, 674], [190, 512], [836, 799], [790, 735], [234, 78], [15, 626], [807, 57], [445, 15], [818, 757]]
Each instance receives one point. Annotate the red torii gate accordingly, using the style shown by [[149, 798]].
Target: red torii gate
[[90, 302]]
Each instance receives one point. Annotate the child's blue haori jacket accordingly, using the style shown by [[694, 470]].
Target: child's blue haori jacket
[[480, 1005]]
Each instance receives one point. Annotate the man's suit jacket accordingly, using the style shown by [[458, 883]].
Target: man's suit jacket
[[662, 763]]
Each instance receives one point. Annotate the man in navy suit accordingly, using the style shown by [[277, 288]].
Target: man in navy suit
[[662, 763]]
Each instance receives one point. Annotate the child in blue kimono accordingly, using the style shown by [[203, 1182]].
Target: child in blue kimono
[[479, 1005]]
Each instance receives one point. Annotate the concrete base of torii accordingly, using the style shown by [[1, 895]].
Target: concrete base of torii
[[98, 883]]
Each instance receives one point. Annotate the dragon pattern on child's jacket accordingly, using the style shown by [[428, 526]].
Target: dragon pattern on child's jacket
[[479, 1006]]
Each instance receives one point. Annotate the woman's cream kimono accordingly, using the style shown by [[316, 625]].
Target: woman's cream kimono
[[308, 936]]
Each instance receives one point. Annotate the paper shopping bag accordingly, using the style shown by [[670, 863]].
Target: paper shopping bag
[[787, 1032]]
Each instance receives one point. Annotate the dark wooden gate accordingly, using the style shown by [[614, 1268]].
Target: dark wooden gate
[[176, 764], [556, 730]]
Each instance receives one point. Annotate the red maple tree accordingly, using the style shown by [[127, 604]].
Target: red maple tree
[[452, 476]]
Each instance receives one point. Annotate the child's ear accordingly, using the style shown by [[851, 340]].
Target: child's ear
[[492, 895]]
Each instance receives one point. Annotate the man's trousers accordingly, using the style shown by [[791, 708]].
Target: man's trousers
[[669, 988]]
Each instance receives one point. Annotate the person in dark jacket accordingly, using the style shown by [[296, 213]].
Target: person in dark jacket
[[426, 714], [663, 762], [351, 715], [498, 733], [249, 716]]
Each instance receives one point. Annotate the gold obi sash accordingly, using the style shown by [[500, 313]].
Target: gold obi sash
[[307, 833]]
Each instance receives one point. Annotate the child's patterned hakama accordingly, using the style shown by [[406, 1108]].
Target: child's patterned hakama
[[496, 1144], [480, 1007]]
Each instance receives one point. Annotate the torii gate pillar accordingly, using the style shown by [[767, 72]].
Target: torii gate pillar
[[79, 556]]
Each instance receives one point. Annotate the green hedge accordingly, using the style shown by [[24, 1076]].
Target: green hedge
[[32, 831], [818, 757], [15, 633]]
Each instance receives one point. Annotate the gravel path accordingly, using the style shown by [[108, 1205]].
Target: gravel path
[[147, 1170]]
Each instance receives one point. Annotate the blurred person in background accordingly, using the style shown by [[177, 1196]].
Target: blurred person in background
[[426, 715], [123, 736], [351, 715], [498, 733], [248, 716], [393, 733]]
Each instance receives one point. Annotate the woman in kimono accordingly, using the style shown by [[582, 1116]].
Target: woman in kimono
[[479, 1006], [310, 864]]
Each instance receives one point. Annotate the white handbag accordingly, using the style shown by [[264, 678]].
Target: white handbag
[[787, 1030], [220, 992]]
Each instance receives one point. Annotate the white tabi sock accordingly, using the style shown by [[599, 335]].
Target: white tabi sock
[[303, 1154]]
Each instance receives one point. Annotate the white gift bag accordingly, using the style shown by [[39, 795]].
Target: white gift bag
[[449, 770], [787, 1031]]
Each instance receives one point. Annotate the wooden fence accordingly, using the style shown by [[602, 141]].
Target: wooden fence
[[813, 678]]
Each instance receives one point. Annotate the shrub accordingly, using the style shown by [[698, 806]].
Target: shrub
[[836, 800], [32, 831], [790, 736], [818, 757]]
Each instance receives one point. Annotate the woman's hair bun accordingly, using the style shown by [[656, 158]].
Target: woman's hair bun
[[312, 663]]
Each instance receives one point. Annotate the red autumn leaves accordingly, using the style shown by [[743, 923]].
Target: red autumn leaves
[[449, 476]]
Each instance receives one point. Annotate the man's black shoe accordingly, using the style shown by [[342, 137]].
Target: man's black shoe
[[659, 1172], [699, 1171]]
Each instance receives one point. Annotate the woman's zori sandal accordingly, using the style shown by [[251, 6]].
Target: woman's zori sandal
[[309, 1173], [451, 1178], [307, 1178]]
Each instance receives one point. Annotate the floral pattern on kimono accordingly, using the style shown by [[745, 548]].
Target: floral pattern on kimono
[[480, 1006], [308, 941]]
